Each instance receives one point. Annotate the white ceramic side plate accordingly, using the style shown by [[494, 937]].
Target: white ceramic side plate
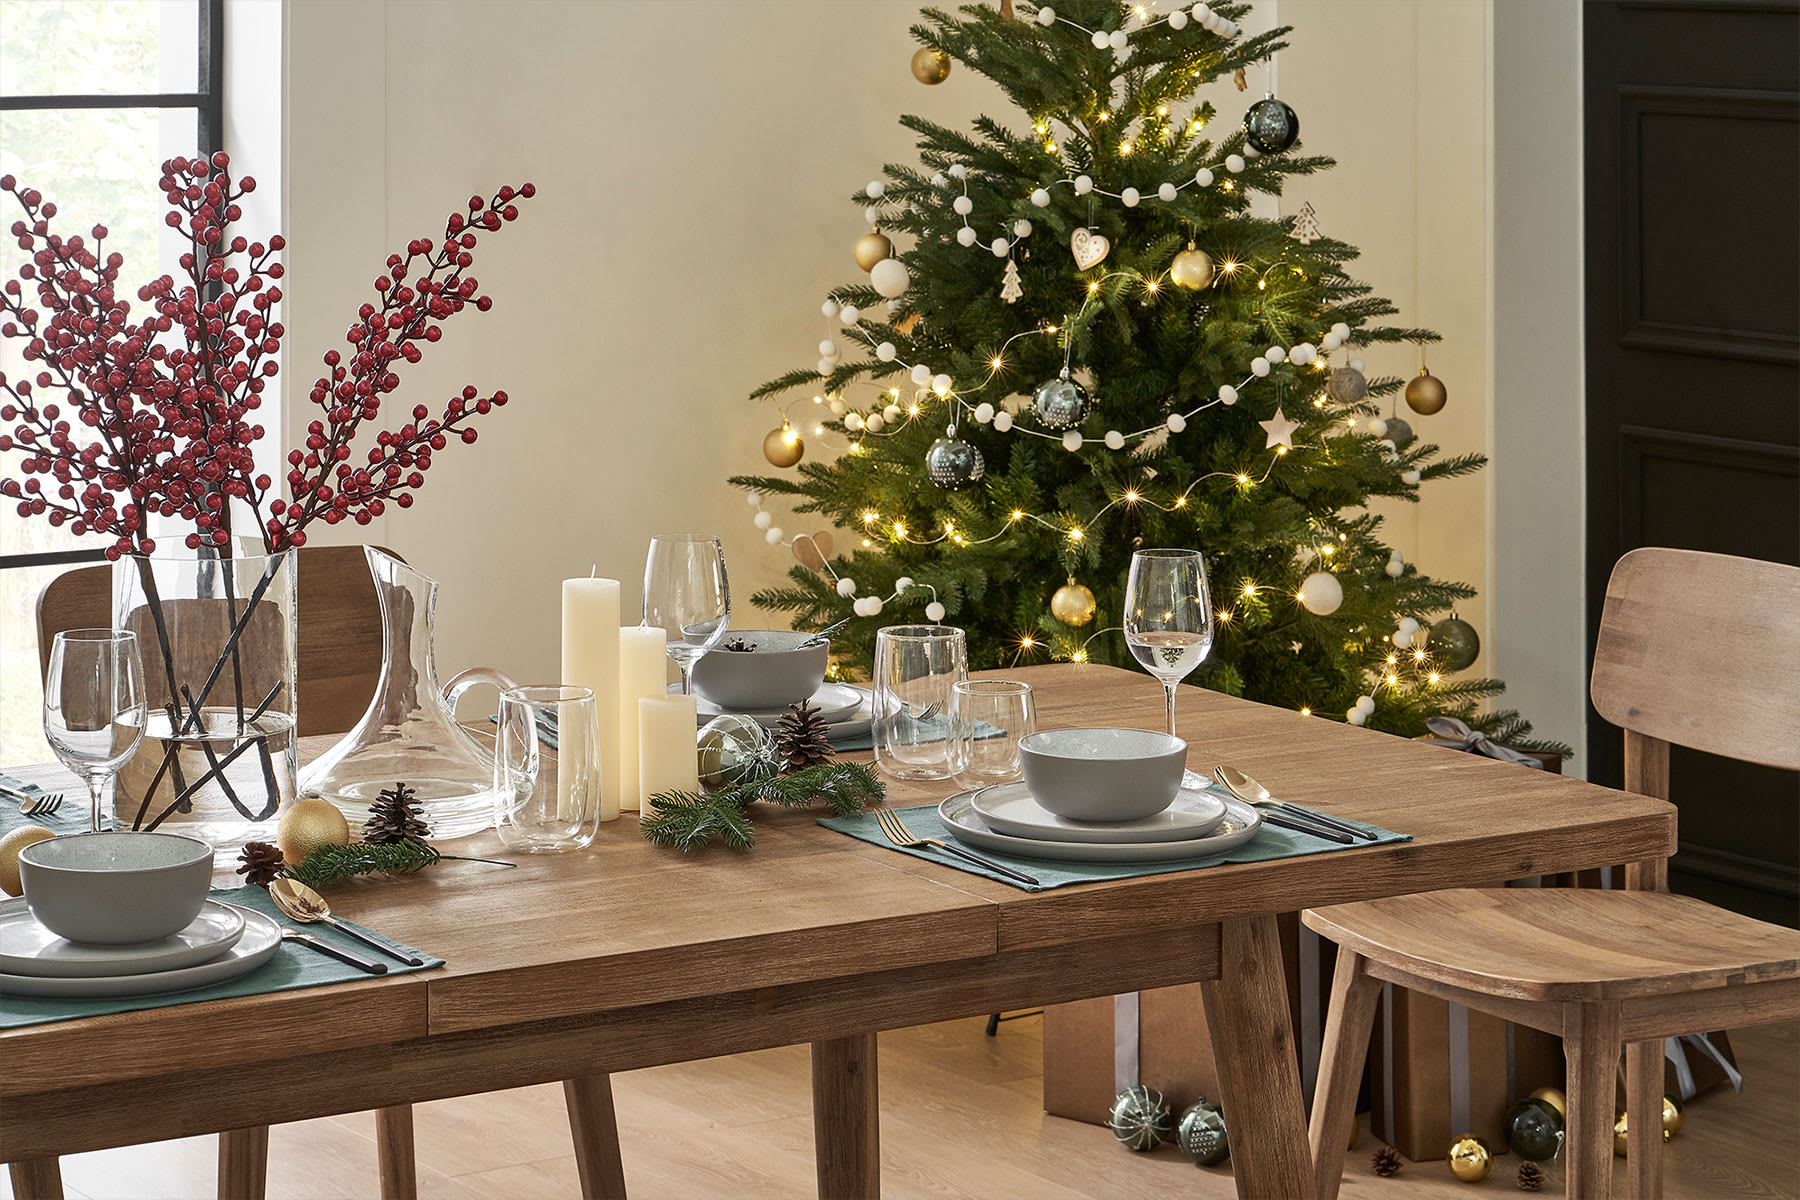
[[262, 937], [27, 948], [1009, 808], [1241, 823], [835, 702]]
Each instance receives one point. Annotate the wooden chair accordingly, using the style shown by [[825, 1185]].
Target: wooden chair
[[1603, 968], [337, 666]]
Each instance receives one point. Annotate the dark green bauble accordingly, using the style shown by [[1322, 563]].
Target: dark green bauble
[[1271, 126], [1061, 403], [1454, 643], [1532, 1130], [1201, 1134], [954, 464]]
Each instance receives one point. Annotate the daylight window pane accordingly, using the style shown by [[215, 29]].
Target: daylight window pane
[[98, 47]]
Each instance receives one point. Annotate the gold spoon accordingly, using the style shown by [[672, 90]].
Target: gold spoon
[[1252, 792], [306, 906]]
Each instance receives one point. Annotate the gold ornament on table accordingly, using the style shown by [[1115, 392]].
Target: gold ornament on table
[[1470, 1158], [783, 447], [871, 248], [1554, 1098], [1619, 1132], [1425, 394], [930, 66], [1192, 269], [309, 823], [10, 845], [1672, 1117], [1073, 604]]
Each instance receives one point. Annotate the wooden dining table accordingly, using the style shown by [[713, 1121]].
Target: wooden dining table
[[626, 955]]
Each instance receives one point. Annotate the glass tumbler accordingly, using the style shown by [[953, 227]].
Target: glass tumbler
[[916, 668], [547, 801], [987, 719]]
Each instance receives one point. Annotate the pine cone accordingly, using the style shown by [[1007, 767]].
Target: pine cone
[[1385, 1161], [1531, 1177], [801, 739], [261, 863], [394, 817]]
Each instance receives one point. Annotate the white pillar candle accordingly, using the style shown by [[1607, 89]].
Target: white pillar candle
[[643, 671], [590, 659], [667, 761]]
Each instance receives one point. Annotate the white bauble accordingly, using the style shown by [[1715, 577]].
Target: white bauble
[[1227, 395], [1072, 440], [1395, 568], [890, 277], [1167, 193], [1378, 427], [1203, 177], [941, 384], [886, 351], [1356, 716], [773, 536], [1275, 354], [966, 236], [921, 374], [1117, 39], [1003, 421], [892, 413], [984, 412], [1234, 163], [753, 499], [873, 422], [1178, 20], [1046, 16], [1041, 198], [849, 314], [1410, 475], [1083, 185], [1176, 422], [902, 583], [934, 612], [846, 586], [827, 365], [763, 520], [828, 348], [1321, 593], [1129, 197], [1000, 246], [1259, 366], [875, 189], [1342, 330], [1021, 228], [963, 206], [1115, 440]]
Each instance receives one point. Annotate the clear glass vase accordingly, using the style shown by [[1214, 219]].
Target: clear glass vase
[[216, 631], [409, 734]]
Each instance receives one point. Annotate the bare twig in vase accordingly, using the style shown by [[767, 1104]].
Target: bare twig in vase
[[223, 762], [212, 758]]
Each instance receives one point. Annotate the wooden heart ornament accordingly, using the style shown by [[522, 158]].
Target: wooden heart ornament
[[1088, 247], [812, 549]]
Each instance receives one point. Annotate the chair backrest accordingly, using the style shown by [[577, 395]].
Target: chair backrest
[[1703, 650], [338, 660]]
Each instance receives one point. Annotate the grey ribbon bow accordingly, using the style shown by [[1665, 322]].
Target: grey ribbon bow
[[1453, 730]]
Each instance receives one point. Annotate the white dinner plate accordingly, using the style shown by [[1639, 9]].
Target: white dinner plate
[[27, 948], [1009, 808], [835, 702], [1241, 823], [262, 937]]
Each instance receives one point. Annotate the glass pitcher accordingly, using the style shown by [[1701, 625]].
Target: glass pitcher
[[410, 734]]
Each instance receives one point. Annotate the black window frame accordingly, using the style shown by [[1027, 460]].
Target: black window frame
[[208, 101]]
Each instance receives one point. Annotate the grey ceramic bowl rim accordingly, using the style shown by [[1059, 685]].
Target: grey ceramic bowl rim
[[766, 651], [203, 850], [1031, 743]]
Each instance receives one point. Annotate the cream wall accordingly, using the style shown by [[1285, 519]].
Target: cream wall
[[694, 162]]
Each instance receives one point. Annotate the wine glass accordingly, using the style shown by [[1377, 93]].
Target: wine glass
[[94, 705], [1168, 616], [686, 594]]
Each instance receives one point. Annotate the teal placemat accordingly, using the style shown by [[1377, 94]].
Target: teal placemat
[[923, 821], [291, 967], [71, 817]]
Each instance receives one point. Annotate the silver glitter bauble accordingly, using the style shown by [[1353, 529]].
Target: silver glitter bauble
[[1271, 126], [734, 749], [1346, 385], [1139, 1118], [1061, 403], [1201, 1134], [953, 463]]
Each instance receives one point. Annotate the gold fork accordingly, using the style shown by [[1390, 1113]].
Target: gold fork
[[898, 834]]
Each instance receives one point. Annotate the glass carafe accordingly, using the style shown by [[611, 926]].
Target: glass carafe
[[410, 734]]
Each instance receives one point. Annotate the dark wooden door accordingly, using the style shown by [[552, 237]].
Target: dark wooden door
[[1693, 360]]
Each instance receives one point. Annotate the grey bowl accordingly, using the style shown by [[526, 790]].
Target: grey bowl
[[1103, 773], [774, 673], [116, 888]]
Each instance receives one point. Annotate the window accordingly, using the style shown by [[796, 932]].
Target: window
[[94, 95]]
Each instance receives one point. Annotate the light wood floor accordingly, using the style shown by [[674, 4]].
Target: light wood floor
[[960, 1118]]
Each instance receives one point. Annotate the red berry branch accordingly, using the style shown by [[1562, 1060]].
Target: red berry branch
[[168, 403]]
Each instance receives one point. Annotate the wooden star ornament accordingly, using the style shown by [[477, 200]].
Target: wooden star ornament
[[1280, 430]]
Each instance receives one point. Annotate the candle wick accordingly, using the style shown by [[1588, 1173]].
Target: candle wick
[[593, 570]]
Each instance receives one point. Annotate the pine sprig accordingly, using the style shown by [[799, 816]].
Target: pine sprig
[[331, 864], [689, 821]]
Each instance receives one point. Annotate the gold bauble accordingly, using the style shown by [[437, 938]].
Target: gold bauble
[[1073, 604], [930, 66], [1672, 1117], [1425, 394], [1469, 1158], [1619, 1134], [308, 824], [871, 248], [783, 447], [1192, 269], [10, 845], [1555, 1099]]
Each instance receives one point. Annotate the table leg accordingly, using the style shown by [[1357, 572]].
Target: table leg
[[1347, 1024], [595, 1129], [1253, 1045], [1591, 1045], [394, 1153], [846, 1118], [36, 1179], [244, 1163]]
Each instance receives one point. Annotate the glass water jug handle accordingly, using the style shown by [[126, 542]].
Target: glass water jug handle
[[462, 681]]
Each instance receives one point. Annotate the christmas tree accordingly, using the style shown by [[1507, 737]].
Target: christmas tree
[[1090, 344]]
